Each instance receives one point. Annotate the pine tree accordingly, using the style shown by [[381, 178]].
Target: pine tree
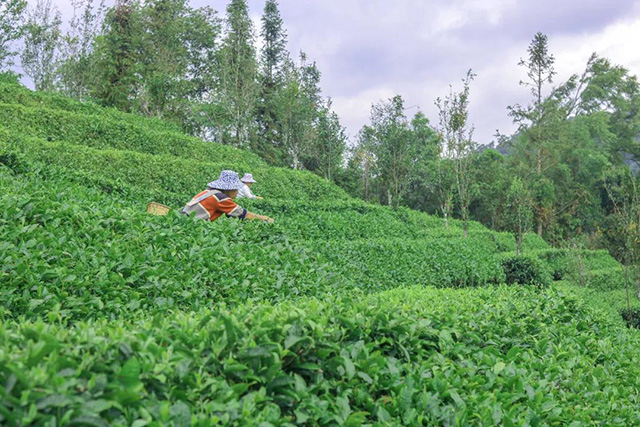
[[272, 63], [274, 50], [238, 72], [118, 56]]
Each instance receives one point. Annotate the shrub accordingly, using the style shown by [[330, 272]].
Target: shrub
[[104, 132], [402, 357], [111, 316], [606, 279], [13, 161], [558, 262], [631, 316], [525, 270], [533, 242], [169, 173]]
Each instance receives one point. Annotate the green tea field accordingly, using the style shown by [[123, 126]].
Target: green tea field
[[340, 313]]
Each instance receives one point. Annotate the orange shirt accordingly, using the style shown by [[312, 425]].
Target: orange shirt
[[211, 204]]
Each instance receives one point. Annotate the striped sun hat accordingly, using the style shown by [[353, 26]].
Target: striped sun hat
[[247, 178], [228, 180]]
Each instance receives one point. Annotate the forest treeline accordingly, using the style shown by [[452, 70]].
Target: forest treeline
[[566, 173]]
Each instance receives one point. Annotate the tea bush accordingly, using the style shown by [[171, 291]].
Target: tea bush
[[167, 173], [490, 356], [631, 316], [525, 270], [12, 93], [102, 258], [607, 278], [102, 132], [337, 314]]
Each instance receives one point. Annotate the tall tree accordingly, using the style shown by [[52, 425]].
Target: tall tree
[[77, 70], [536, 121], [492, 174], [202, 35], [325, 150], [422, 176], [11, 29], [42, 35], [457, 137], [363, 162], [238, 73], [165, 56], [291, 117], [540, 71], [611, 92], [622, 193], [274, 50], [272, 63], [118, 56], [393, 148]]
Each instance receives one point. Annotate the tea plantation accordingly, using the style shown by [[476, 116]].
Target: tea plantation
[[340, 313]]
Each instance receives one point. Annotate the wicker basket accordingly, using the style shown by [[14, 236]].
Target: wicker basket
[[157, 209]]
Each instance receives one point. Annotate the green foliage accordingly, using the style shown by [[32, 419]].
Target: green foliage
[[329, 316], [129, 261], [273, 59], [456, 135], [112, 131], [631, 316], [11, 29], [118, 60], [168, 173], [519, 211], [533, 242], [607, 279], [525, 270], [41, 43], [238, 75], [391, 357], [77, 68], [394, 155]]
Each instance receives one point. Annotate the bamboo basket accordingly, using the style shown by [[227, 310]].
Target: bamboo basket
[[157, 209]]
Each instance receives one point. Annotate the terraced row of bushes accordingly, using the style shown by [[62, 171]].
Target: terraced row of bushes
[[308, 206], [105, 132], [310, 220], [80, 254], [164, 172], [12, 92], [110, 316]]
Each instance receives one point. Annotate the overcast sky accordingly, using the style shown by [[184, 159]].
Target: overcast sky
[[368, 50]]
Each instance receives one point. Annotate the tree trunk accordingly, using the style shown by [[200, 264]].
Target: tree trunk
[[626, 281], [465, 222]]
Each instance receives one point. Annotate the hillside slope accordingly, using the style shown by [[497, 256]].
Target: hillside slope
[[335, 314]]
